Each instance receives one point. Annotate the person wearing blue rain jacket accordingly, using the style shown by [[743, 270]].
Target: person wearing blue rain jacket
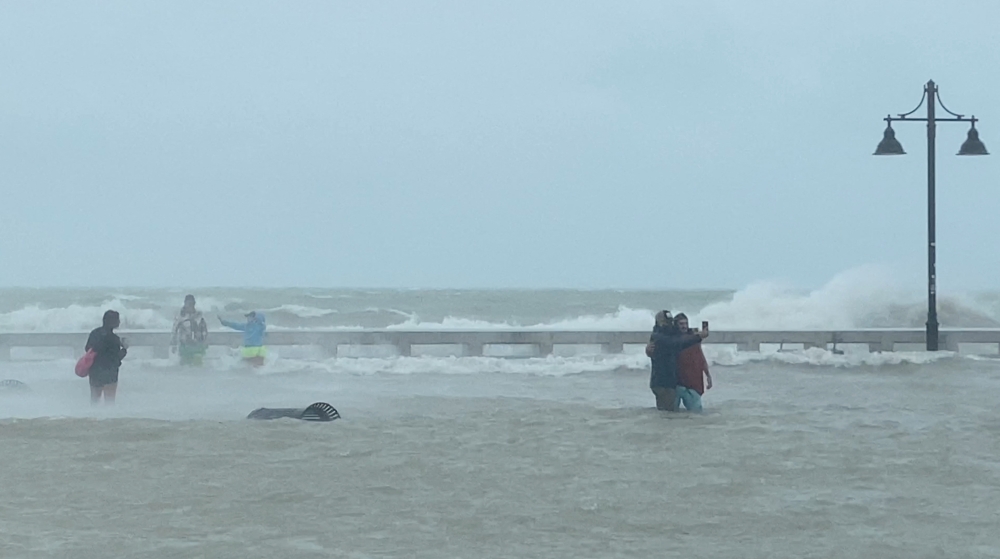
[[254, 330]]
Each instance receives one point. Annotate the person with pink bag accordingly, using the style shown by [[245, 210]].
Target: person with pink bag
[[84, 364], [108, 352]]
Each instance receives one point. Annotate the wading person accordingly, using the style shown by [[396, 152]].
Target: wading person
[[693, 377], [253, 330], [666, 344], [109, 351], [190, 334]]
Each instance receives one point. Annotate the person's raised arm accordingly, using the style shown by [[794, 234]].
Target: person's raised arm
[[234, 325], [676, 343]]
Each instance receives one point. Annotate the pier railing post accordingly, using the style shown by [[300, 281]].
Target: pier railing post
[[616, 346], [887, 344]]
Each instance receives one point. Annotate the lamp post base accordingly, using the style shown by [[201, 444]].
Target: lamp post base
[[932, 335]]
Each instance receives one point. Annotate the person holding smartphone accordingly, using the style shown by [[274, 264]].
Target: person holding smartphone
[[693, 377], [666, 343]]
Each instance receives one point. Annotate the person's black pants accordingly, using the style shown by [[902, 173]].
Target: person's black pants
[[666, 398]]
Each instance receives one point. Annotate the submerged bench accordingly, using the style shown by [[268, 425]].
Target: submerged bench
[[320, 411]]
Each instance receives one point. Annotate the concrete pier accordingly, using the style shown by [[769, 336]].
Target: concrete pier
[[543, 342]]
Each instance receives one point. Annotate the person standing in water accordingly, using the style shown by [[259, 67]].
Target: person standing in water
[[190, 334], [109, 351], [665, 345], [693, 378], [253, 330]]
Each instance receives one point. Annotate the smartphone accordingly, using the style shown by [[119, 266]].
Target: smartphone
[[704, 325]]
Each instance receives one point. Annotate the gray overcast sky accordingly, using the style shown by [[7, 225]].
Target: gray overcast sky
[[489, 144]]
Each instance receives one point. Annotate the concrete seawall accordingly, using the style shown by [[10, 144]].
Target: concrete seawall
[[475, 343]]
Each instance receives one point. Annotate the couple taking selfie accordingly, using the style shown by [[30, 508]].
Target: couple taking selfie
[[679, 368]]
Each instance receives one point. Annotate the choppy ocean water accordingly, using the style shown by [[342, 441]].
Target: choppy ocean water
[[799, 454]]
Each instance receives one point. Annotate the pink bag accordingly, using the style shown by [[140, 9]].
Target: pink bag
[[84, 364]]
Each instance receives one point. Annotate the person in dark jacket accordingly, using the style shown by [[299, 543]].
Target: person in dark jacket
[[666, 344], [109, 351]]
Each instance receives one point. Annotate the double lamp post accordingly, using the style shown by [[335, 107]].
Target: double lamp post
[[891, 146]]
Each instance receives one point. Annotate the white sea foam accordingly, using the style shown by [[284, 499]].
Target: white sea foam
[[302, 311], [867, 297], [80, 318], [625, 319], [208, 304]]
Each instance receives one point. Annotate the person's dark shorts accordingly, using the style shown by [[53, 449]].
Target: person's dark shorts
[[102, 377], [666, 398]]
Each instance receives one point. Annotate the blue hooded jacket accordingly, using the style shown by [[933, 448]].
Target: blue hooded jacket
[[253, 329]]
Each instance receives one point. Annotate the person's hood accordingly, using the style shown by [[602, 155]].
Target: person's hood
[[666, 318], [256, 316]]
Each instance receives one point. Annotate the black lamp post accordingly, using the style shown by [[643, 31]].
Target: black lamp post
[[891, 146]]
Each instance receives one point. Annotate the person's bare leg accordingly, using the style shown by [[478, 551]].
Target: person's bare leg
[[95, 395], [109, 394]]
